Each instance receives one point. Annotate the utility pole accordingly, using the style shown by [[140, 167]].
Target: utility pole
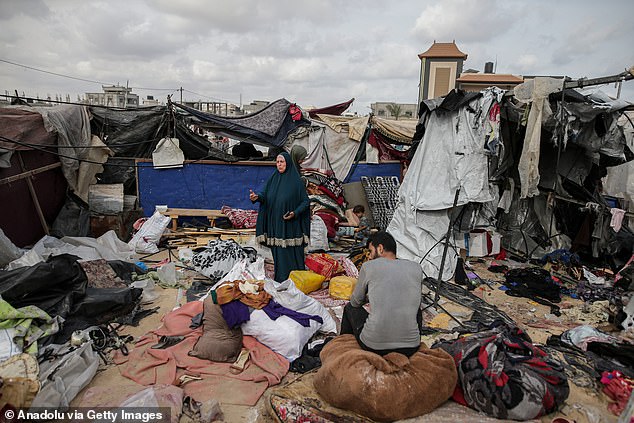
[[181, 90], [125, 98]]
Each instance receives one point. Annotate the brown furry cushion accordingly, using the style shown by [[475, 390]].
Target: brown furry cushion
[[385, 388], [218, 342]]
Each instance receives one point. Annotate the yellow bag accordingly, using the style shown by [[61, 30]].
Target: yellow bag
[[307, 281], [341, 287]]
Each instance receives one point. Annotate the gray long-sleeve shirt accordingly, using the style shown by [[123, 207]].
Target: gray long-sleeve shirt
[[393, 289]]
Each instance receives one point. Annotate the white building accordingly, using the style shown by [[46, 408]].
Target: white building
[[113, 96]]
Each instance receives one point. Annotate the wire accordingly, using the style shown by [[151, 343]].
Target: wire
[[207, 96], [83, 79], [94, 162], [54, 73]]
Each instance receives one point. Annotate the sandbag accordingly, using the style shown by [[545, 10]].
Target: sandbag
[[386, 388], [218, 342]]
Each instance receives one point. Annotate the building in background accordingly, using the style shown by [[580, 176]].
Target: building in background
[[391, 110], [113, 96], [476, 81], [150, 101], [440, 66], [254, 106], [442, 70]]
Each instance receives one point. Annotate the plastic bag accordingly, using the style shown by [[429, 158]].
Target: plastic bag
[[318, 234], [145, 241], [167, 274], [149, 289]]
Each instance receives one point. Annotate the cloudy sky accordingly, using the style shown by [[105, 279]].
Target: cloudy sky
[[313, 52]]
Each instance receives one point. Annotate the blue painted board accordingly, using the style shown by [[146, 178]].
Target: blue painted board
[[201, 185], [211, 185]]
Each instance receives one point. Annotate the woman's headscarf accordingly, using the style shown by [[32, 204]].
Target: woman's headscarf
[[283, 193], [298, 153]]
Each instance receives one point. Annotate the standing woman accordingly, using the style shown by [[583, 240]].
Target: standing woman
[[284, 220]]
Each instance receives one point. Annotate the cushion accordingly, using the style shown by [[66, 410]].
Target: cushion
[[385, 388], [218, 342]]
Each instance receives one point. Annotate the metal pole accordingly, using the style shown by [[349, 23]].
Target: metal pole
[[444, 252]]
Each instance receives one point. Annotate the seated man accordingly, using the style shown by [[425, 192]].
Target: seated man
[[393, 288]]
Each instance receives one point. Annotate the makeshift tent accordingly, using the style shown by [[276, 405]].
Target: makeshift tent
[[336, 109], [269, 126], [489, 147]]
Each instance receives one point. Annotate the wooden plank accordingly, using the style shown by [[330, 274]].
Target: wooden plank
[[30, 173], [36, 202], [192, 212]]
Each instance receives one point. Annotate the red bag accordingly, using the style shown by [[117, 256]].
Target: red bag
[[324, 265], [295, 112]]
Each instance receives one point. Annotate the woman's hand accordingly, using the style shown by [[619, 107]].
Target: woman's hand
[[253, 196], [288, 216]]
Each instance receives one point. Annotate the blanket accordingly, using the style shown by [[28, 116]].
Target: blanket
[[148, 366], [384, 388]]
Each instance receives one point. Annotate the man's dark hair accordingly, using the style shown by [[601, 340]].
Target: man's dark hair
[[384, 239], [358, 209]]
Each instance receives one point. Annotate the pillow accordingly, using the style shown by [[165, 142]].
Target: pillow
[[218, 342]]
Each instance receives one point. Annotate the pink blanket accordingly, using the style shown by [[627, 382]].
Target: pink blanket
[[149, 366]]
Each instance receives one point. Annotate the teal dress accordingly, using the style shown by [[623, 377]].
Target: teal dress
[[283, 193]]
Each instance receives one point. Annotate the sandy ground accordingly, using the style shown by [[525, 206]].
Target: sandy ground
[[582, 405]]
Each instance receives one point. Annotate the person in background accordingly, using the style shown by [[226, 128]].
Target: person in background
[[393, 289], [283, 222], [357, 224], [298, 154]]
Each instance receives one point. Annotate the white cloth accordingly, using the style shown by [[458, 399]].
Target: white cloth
[[507, 197], [327, 148], [168, 154], [284, 335], [451, 155], [617, 219], [536, 92], [318, 234]]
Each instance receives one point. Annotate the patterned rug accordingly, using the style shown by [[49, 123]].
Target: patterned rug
[[382, 194]]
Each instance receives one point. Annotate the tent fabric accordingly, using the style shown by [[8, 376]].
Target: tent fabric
[[63, 125], [354, 126], [135, 133], [86, 174], [418, 236], [72, 125], [23, 124], [336, 109], [269, 126], [385, 149], [536, 92], [327, 148], [400, 131], [451, 155], [620, 179]]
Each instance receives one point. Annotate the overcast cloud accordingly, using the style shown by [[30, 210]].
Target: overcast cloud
[[313, 52]]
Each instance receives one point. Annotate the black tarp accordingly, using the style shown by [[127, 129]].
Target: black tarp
[[269, 126], [59, 286], [134, 133]]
